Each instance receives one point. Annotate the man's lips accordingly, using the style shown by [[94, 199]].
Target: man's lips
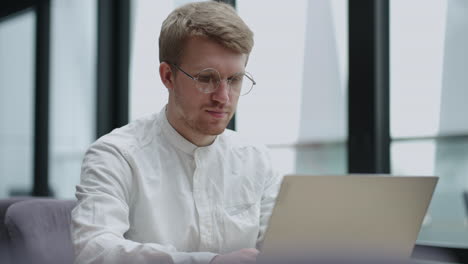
[[217, 113]]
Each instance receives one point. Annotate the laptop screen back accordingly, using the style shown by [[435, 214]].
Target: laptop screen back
[[348, 213]]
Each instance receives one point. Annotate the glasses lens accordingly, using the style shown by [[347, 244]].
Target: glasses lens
[[207, 80], [237, 83], [241, 84], [246, 84]]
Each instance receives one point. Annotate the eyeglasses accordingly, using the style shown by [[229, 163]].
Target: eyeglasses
[[208, 80]]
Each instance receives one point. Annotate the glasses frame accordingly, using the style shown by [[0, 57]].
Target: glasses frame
[[246, 74]]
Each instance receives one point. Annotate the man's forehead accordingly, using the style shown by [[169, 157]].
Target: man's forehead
[[223, 60], [204, 48], [220, 62]]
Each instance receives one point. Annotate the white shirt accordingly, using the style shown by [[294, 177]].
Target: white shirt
[[147, 195]]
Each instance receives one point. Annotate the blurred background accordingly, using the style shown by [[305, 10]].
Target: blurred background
[[342, 87]]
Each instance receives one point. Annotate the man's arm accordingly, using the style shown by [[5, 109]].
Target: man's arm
[[101, 217], [270, 192], [242, 256]]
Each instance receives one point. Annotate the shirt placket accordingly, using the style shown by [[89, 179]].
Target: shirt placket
[[202, 202]]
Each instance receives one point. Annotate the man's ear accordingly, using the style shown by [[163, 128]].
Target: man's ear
[[167, 77]]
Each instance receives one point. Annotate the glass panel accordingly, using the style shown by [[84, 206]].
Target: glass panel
[[17, 53], [147, 93], [416, 59], [72, 90], [428, 67], [428, 101], [299, 61], [446, 223]]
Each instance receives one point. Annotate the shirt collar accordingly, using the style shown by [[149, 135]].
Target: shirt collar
[[178, 140]]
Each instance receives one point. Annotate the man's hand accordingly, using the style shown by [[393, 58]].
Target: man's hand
[[244, 256]]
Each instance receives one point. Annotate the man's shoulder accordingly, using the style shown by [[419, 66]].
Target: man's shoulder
[[252, 154], [135, 134], [241, 142]]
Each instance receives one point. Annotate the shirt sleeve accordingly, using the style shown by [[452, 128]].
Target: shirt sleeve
[[270, 192], [101, 217]]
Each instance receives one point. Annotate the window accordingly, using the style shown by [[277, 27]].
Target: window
[[17, 53], [72, 91], [298, 107], [429, 127]]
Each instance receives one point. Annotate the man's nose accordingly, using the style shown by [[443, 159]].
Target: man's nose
[[222, 93]]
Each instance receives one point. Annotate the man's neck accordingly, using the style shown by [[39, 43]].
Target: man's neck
[[188, 133]]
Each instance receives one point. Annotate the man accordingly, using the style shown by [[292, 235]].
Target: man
[[176, 186]]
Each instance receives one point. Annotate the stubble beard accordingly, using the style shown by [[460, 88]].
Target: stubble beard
[[203, 127], [199, 124]]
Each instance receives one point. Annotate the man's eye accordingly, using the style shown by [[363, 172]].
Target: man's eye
[[235, 79], [205, 78]]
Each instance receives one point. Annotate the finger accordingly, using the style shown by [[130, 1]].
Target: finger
[[250, 254], [250, 250], [249, 260]]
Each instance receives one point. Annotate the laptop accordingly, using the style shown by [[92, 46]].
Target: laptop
[[378, 215]]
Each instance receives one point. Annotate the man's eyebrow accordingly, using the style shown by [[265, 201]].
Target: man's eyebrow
[[237, 74]]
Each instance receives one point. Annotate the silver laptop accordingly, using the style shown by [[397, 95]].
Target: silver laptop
[[361, 214]]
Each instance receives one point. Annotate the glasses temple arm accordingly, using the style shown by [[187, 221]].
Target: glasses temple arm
[[180, 69], [250, 78]]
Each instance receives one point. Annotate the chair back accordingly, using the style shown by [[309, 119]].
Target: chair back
[[39, 231], [5, 247]]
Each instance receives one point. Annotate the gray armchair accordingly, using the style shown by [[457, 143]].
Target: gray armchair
[[39, 231], [5, 245]]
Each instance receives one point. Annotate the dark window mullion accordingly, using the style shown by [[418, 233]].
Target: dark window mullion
[[382, 96], [10, 7], [41, 120], [113, 65], [368, 97]]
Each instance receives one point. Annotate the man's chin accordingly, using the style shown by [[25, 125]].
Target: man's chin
[[212, 127], [214, 131]]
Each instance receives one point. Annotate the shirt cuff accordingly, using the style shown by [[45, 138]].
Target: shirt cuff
[[192, 257]]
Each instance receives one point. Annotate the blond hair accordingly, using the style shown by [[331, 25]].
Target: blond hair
[[214, 20]]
